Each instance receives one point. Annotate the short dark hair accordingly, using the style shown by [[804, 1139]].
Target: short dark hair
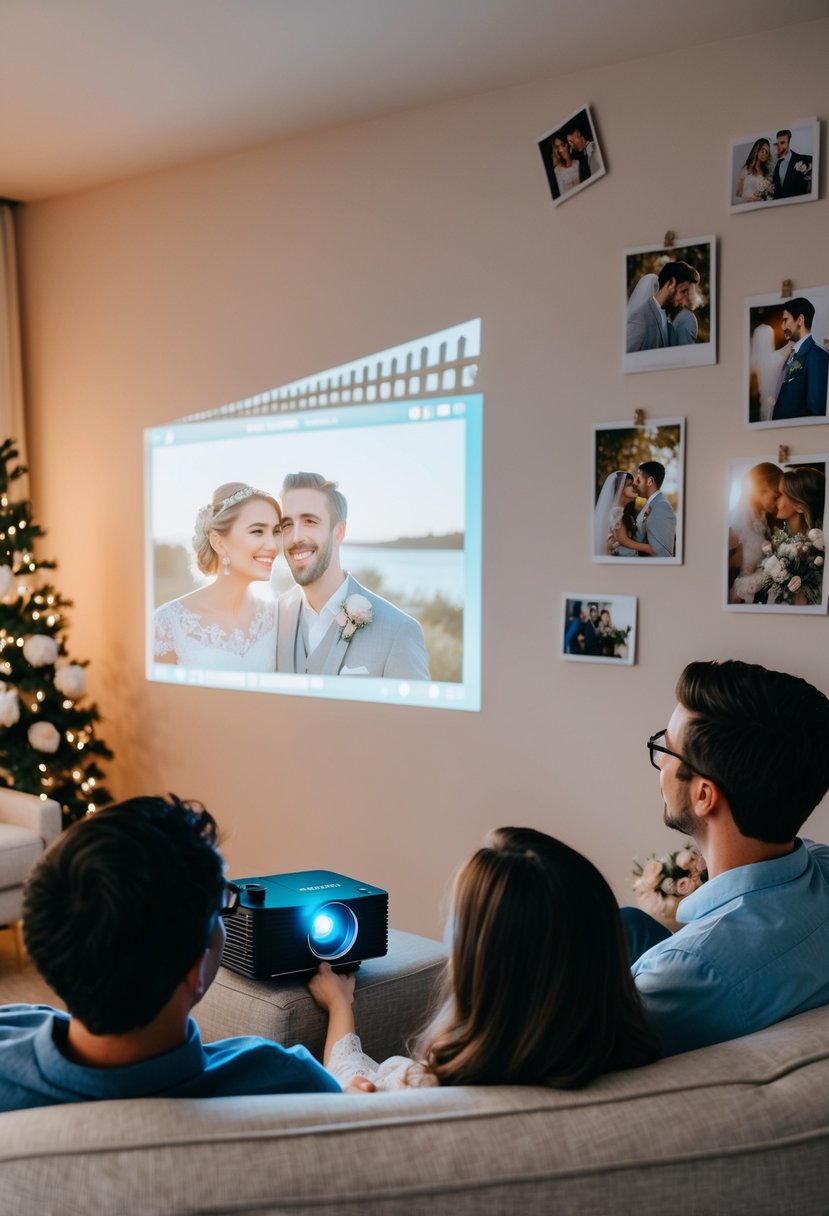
[[120, 907], [785, 132], [580, 124], [652, 468], [337, 503], [683, 272], [761, 736], [800, 306]]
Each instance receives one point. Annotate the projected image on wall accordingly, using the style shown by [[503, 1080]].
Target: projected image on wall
[[397, 544]]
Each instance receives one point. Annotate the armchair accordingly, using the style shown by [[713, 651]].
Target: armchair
[[28, 825]]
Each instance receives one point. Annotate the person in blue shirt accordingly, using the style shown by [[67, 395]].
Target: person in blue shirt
[[742, 763], [123, 917]]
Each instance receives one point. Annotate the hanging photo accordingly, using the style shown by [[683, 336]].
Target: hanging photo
[[571, 156], [599, 628], [670, 306], [775, 167], [638, 491], [775, 548], [787, 346]]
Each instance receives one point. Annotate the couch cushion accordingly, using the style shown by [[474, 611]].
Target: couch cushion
[[19, 849]]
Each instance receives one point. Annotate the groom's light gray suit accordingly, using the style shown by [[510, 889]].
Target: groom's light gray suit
[[391, 645], [655, 526], [644, 328]]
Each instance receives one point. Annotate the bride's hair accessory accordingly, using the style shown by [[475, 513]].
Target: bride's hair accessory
[[239, 496]]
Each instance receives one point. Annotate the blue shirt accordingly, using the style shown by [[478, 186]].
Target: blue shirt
[[754, 949], [34, 1071]]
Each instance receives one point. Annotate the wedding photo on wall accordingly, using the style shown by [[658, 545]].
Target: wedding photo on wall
[[788, 358], [775, 548], [670, 306], [600, 628], [638, 491], [775, 167], [571, 156]]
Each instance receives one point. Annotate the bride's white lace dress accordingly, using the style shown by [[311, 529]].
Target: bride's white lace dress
[[180, 631], [348, 1060]]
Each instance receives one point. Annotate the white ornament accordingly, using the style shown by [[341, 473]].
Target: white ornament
[[71, 680], [9, 706], [6, 580], [44, 737], [40, 650]]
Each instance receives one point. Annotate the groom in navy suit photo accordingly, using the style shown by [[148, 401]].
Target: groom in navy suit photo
[[792, 170], [806, 374]]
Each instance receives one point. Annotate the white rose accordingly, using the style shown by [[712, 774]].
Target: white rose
[[9, 706], [668, 886], [359, 608], [71, 680], [818, 561], [44, 737], [6, 580], [816, 537], [40, 650], [651, 875], [684, 886]]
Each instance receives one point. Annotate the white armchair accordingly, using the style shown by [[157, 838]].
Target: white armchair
[[28, 825]]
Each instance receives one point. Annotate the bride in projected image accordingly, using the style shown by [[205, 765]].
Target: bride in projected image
[[226, 625]]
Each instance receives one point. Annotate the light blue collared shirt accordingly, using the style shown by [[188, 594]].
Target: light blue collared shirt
[[754, 949]]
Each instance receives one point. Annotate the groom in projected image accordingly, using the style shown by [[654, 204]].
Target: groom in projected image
[[328, 624]]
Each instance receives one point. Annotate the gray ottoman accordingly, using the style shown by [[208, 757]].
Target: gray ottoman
[[393, 998]]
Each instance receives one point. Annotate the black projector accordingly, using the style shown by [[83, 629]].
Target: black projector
[[288, 923]]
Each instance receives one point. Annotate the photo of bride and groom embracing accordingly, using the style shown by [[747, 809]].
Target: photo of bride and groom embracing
[[327, 623], [636, 510]]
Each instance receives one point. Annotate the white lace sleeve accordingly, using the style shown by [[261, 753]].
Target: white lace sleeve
[[163, 632], [348, 1060]]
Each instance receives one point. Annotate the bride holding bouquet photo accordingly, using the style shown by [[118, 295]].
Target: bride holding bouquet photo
[[227, 624]]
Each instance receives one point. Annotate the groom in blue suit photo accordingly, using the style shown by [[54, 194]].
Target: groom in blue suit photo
[[806, 374], [328, 623]]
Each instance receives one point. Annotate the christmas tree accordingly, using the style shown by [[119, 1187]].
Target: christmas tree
[[47, 739]]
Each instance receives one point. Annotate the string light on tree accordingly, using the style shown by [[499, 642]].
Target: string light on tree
[[48, 741]]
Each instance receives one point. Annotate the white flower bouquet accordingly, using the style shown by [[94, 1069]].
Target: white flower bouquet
[[793, 567], [661, 882]]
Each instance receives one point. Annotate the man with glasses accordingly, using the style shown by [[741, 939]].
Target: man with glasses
[[742, 763], [123, 917]]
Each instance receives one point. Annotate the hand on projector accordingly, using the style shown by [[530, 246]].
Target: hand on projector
[[331, 988]]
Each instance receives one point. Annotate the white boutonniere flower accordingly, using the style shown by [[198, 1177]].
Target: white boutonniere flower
[[801, 166], [355, 613]]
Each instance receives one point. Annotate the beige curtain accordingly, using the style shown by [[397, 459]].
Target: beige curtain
[[12, 420]]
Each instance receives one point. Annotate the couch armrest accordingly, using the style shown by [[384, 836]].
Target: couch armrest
[[41, 816]]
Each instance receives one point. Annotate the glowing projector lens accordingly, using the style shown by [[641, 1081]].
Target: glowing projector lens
[[333, 931]]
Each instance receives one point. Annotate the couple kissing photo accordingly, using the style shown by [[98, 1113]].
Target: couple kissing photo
[[638, 492], [776, 545]]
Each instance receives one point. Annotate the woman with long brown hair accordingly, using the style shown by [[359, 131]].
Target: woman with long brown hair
[[537, 990]]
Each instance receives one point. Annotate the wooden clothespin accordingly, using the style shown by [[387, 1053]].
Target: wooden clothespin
[[787, 289], [638, 417], [783, 454], [670, 239]]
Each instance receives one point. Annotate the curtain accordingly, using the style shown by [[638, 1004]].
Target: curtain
[[12, 420]]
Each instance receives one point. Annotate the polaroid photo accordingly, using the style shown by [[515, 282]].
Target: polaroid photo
[[787, 358], [670, 312], [773, 167], [775, 547], [599, 628], [571, 156], [638, 491]]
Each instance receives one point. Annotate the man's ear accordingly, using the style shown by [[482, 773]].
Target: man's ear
[[708, 797], [195, 978], [339, 532]]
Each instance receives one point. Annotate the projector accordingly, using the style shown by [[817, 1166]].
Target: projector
[[289, 923]]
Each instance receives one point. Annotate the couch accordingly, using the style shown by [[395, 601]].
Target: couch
[[742, 1127], [28, 825]]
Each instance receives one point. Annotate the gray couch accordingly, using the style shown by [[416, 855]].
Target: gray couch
[[738, 1128]]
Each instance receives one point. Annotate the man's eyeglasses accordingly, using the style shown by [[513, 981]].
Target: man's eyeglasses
[[653, 746], [230, 899]]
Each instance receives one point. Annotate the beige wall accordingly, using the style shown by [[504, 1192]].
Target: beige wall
[[180, 291]]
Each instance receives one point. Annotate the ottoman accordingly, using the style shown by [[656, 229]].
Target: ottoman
[[392, 1001]]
